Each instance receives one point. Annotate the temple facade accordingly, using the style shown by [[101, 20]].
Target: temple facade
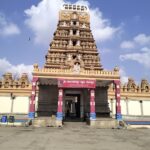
[[72, 85]]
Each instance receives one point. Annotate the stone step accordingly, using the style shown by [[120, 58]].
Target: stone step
[[44, 122], [75, 125], [105, 123]]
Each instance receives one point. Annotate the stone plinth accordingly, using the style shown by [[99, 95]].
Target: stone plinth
[[45, 122], [104, 123]]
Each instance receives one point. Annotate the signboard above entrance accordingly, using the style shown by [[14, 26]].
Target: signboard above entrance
[[70, 83]]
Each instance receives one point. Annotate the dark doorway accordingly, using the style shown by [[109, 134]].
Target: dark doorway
[[77, 107], [74, 43], [74, 32], [72, 107], [47, 101]]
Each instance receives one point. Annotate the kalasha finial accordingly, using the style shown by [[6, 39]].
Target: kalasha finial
[[24, 75], [8, 75], [116, 69], [36, 66]]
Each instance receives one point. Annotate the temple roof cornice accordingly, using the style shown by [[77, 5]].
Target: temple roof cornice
[[68, 73]]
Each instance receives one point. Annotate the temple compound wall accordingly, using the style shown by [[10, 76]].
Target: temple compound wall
[[15, 98], [19, 105], [14, 95], [72, 84], [135, 99]]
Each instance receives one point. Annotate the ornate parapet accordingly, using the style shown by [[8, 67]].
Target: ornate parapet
[[82, 73], [22, 86], [10, 85], [132, 90], [9, 82], [67, 9], [144, 86]]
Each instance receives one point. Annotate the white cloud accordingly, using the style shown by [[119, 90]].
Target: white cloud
[[105, 50], [101, 27], [8, 28], [17, 70], [124, 77], [141, 43], [127, 45], [142, 57], [145, 49], [142, 39], [138, 41], [42, 20]]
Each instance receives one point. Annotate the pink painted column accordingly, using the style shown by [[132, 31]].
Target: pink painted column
[[117, 96], [92, 105], [60, 105], [32, 99]]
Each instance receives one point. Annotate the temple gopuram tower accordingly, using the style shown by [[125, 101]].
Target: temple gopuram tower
[[73, 46], [73, 84]]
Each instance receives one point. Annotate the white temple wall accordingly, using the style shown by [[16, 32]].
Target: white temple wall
[[123, 107], [5, 104], [131, 107], [21, 105], [18, 105], [134, 107], [146, 108]]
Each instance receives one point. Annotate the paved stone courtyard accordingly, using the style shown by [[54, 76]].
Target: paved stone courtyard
[[73, 136]]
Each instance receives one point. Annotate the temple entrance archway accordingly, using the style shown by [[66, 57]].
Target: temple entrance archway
[[72, 106], [75, 104]]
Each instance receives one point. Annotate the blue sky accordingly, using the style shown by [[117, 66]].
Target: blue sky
[[120, 27]]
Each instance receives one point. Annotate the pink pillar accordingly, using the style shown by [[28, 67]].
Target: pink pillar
[[32, 100], [60, 105], [117, 96], [92, 105]]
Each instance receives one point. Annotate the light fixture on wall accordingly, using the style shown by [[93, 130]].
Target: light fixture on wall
[[12, 96]]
